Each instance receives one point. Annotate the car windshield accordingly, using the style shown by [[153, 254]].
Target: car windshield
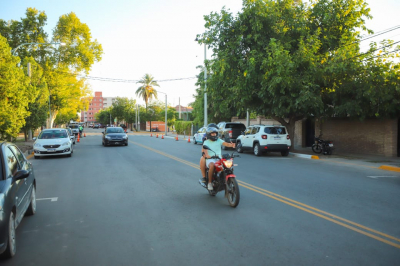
[[115, 130], [73, 126], [236, 126], [275, 130], [53, 134]]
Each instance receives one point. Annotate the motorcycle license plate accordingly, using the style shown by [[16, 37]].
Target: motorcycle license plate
[[330, 145]]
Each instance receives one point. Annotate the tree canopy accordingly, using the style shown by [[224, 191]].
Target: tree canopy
[[146, 91], [289, 60], [55, 68]]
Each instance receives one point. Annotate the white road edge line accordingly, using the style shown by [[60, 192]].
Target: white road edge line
[[376, 176], [52, 199]]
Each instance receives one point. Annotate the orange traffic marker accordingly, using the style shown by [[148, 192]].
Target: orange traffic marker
[[157, 136], [78, 138], [189, 139], [84, 134], [151, 134], [176, 137], [162, 136]]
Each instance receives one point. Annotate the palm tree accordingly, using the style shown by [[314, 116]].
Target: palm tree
[[146, 91]]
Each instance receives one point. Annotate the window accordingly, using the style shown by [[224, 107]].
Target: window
[[236, 126], [255, 130], [101, 100], [275, 130], [248, 131], [18, 154], [12, 162]]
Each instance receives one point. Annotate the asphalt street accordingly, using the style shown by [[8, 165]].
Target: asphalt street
[[141, 204]]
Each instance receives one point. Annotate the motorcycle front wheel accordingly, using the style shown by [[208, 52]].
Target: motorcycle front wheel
[[233, 193], [317, 148]]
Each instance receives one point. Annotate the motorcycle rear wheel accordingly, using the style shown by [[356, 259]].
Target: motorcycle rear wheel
[[317, 148], [233, 193]]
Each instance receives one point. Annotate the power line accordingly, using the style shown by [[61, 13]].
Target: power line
[[389, 52]]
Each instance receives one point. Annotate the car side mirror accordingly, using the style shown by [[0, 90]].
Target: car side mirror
[[21, 174], [34, 138]]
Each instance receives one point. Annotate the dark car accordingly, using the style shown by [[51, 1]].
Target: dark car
[[96, 126], [115, 136], [17, 195], [230, 131]]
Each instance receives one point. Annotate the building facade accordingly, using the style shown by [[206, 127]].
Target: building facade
[[97, 103]]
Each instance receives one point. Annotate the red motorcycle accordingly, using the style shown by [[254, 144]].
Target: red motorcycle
[[223, 178]]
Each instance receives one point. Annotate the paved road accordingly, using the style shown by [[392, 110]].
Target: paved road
[[142, 205]]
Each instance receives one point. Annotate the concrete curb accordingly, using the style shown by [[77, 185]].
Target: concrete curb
[[389, 168], [305, 156]]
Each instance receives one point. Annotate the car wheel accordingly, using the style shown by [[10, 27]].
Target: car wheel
[[256, 149], [32, 206], [102, 143], [194, 141], [69, 155], [239, 147], [285, 153], [11, 241], [126, 144], [74, 142]]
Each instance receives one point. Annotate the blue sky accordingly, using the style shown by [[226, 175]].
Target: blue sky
[[157, 37]]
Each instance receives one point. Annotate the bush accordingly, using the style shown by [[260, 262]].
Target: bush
[[181, 126]]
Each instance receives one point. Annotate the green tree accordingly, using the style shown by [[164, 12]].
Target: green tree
[[38, 109], [146, 91], [15, 93], [271, 57]]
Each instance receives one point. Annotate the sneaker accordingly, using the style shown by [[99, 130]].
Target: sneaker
[[210, 187], [203, 180]]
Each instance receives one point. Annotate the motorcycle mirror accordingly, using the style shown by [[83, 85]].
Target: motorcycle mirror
[[206, 147]]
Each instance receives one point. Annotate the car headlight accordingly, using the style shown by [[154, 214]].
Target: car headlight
[[228, 163], [66, 143], [124, 137], [37, 145], [108, 137]]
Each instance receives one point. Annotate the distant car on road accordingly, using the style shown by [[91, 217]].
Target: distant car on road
[[51, 142], [200, 135], [115, 136], [71, 135], [17, 195], [96, 126]]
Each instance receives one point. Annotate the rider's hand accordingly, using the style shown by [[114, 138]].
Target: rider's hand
[[233, 145]]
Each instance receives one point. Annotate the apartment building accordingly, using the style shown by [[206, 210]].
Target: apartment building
[[98, 103]]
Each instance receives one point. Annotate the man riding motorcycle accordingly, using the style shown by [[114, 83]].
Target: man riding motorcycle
[[214, 143], [202, 159]]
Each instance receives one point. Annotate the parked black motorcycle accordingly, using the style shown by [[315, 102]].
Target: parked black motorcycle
[[322, 146]]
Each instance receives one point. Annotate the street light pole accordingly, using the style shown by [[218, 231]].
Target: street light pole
[[29, 43], [205, 87]]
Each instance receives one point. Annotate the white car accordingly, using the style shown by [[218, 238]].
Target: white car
[[262, 138], [71, 135], [51, 142]]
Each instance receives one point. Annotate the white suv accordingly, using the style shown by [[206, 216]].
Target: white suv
[[262, 138]]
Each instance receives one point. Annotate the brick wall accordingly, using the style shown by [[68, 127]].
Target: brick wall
[[372, 136]]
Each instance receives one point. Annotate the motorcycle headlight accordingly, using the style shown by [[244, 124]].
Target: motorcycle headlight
[[228, 163], [37, 145]]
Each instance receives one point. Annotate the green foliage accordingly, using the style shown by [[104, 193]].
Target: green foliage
[[60, 64], [124, 109], [15, 93], [288, 60], [183, 126], [146, 91], [103, 116]]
